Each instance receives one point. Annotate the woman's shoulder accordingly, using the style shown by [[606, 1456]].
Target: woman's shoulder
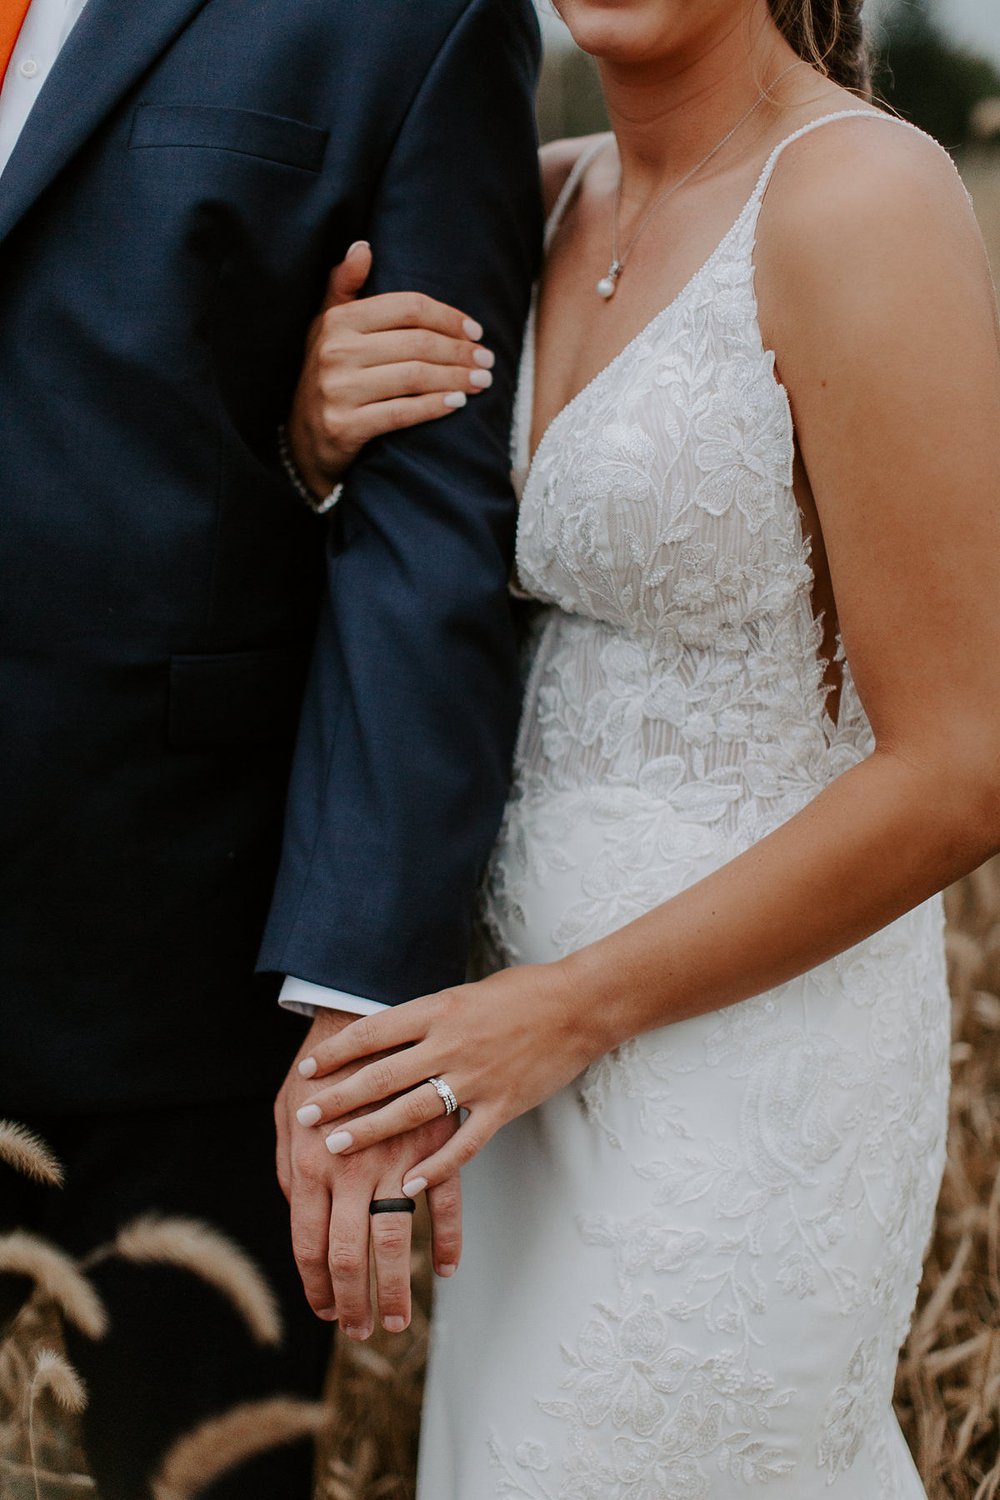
[[867, 242], [864, 173], [867, 197], [557, 160]]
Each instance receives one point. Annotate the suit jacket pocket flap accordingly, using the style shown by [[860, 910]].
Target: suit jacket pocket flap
[[235, 698], [245, 131]]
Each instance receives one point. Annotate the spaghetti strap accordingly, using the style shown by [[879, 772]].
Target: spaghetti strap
[[524, 400], [568, 190], [811, 125]]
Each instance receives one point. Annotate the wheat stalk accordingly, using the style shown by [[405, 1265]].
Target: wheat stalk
[[56, 1375], [28, 1154], [222, 1443], [196, 1247], [56, 1278]]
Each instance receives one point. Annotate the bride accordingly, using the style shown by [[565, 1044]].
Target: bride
[[758, 444]]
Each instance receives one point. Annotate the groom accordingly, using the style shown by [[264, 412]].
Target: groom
[[176, 178]]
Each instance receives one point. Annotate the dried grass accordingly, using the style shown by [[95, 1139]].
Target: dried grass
[[57, 1279], [948, 1389], [205, 1252], [55, 1374], [55, 1468], [223, 1443], [28, 1154]]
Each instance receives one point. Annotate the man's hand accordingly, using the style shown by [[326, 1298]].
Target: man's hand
[[329, 1197]]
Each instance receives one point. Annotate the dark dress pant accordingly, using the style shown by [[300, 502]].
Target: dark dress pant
[[175, 1351]]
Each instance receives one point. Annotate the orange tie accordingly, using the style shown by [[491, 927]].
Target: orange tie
[[12, 14]]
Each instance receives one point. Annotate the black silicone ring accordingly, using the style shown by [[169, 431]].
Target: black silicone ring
[[392, 1206]]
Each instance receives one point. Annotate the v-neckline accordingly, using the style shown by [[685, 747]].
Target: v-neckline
[[616, 359], [527, 459], [530, 356]]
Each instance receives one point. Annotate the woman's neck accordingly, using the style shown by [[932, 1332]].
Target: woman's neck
[[667, 114]]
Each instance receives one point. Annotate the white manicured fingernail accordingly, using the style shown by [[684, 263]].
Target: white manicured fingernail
[[455, 399], [485, 357], [393, 1325], [339, 1141], [307, 1067], [359, 245], [481, 378], [473, 330], [309, 1114], [447, 1270], [358, 1333], [414, 1186], [328, 1314]]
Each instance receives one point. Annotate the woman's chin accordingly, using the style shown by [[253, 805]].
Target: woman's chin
[[618, 30]]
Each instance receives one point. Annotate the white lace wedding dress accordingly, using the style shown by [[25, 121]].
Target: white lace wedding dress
[[687, 1276]]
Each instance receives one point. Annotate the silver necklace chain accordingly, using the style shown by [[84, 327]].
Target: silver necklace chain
[[608, 283]]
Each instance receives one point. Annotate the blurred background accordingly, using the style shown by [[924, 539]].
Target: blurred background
[[937, 64]]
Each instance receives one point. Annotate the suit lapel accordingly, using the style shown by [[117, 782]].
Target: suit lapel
[[106, 53]]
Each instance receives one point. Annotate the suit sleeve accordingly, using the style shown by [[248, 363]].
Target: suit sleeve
[[403, 758]]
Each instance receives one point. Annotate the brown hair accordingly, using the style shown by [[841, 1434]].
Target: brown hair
[[828, 34]]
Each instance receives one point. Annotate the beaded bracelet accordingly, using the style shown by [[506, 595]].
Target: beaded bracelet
[[297, 482]]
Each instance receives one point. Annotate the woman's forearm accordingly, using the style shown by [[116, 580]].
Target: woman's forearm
[[876, 842]]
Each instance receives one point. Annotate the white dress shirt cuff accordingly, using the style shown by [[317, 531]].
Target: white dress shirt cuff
[[302, 996]]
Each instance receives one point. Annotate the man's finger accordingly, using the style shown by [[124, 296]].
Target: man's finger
[[392, 1235], [445, 1205], [310, 1245], [348, 1240], [282, 1151], [347, 279]]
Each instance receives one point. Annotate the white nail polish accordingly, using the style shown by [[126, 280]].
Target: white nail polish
[[393, 1325], [309, 1114], [447, 1270], [472, 329], [455, 399], [481, 379], [486, 358], [307, 1067], [414, 1186], [339, 1141]]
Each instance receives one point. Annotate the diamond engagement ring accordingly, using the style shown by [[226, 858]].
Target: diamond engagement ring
[[445, 1094]]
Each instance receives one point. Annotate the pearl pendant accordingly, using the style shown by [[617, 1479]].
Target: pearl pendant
[[606, 286]]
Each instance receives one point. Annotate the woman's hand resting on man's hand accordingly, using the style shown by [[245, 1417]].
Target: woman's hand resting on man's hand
[[375, 365], [502, 1045]]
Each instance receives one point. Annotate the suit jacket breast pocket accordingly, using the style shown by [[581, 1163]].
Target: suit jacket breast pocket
[[235, 698], [246, 132]]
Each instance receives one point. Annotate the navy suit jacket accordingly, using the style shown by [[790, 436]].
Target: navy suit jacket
[[190, 172]]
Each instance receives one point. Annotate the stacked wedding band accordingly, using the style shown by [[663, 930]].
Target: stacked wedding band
[[445, 1094]]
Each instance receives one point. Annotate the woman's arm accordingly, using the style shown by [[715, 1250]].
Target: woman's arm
[[874, 288]]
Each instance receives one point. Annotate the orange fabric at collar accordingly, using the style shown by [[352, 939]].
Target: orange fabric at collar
[[12, 14]]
